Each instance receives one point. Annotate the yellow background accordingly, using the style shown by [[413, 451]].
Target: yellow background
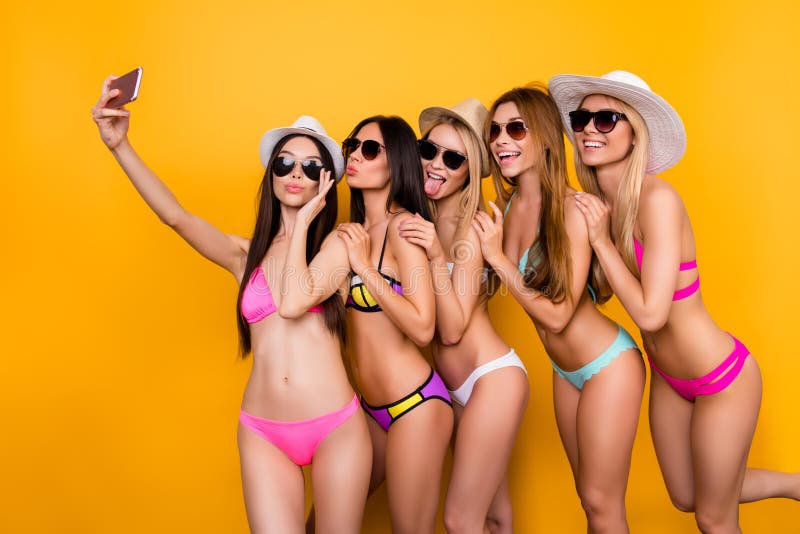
[[120, 385]]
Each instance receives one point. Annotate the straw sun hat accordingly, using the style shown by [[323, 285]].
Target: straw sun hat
[[667, 135]]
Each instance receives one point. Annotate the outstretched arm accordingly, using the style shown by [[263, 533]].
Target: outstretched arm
[[230, 252]]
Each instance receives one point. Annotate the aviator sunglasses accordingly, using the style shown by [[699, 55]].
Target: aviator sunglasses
[[516, 130], [369, 148], [283, 165], [452, 159], [604, 120]]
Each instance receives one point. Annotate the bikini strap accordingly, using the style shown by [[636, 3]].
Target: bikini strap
[[508, 204], [383, 247]]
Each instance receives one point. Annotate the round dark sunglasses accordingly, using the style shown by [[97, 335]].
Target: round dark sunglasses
[[283, 165], [604, 120], [452, 159], [516, 130], [369, 147]]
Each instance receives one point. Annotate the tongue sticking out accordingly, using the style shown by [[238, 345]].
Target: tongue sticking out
[[432, 186]]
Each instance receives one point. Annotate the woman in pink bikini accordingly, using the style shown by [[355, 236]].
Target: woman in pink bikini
[[706, 389], [487, 380], [298, 406]]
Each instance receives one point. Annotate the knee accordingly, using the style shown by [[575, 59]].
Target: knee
[[684, 503], [711, 522], [500, 519], [460, 519], [602, 509]]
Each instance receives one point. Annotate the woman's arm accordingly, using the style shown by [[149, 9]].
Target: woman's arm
[[553, 317], [413, 312], [456, 294], [304, 286], [230, 252], [660, 213]]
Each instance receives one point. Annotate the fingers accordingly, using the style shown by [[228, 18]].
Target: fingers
[[497, 212]]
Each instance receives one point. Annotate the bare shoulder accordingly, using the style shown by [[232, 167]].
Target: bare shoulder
[[574, 221], [658, 195], [333, 242]]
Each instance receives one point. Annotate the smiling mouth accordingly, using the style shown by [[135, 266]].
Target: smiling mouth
[[507, 155]]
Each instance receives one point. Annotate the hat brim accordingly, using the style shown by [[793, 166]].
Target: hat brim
[[272, 137], [664, 125], [430, 116]]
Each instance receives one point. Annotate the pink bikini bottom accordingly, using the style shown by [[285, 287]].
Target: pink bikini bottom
[[299, 439], [715, 381]]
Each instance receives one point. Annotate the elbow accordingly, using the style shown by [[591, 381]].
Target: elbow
[[289, 310], [556, 325], [423, 336], [652, 322], [448, 339], [173, 219], [451, 335]]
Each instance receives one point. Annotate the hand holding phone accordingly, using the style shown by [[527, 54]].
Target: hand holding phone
[[128, 86]]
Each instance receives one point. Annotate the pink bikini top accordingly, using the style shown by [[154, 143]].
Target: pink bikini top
[[680, 294], [257, 302]]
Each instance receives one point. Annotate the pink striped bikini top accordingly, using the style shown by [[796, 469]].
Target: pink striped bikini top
[[257, 301], [680, 294]]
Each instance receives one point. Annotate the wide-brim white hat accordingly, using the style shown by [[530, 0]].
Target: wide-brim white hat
[[304, 125], [664, 125], [470, 112]]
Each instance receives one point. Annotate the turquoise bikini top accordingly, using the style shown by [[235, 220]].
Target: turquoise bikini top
[[523, 260]]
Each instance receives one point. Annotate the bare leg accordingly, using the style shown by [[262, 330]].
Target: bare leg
[[486, 433], [274, 492], [340, 475], [415, 448], [670, 427], [608, 414]]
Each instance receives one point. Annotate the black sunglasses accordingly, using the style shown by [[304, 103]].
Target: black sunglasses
[[452, 159], [369, 147], [283, 165], [604, 120], [516, 130]]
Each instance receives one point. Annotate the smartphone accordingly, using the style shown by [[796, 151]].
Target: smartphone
[[128, 86]]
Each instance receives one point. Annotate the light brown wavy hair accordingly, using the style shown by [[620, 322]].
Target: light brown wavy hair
[[552, 273]]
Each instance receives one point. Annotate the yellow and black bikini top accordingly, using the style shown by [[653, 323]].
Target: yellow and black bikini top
[[360, 297]]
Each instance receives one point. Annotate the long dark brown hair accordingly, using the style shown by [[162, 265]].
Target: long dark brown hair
[[267, 225], [407, 187], [549, 268]]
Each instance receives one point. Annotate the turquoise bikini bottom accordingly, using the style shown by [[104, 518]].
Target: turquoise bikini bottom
[[621, 343]]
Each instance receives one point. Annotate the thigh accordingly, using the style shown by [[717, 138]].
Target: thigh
[[377, 436], [670, 428], [340, 476], [722, 430], [274, 492], [607, 418], [565, 404], [415, 449], [486, 433]]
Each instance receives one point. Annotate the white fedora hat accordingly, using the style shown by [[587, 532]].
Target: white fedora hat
[[667, 134], [470, 112], [304, 125]]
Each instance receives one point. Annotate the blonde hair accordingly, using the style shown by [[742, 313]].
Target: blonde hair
[[470, 195], [549, 267], [626, 201]]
